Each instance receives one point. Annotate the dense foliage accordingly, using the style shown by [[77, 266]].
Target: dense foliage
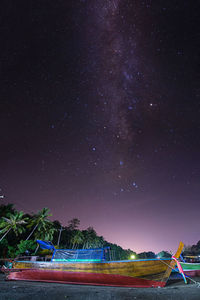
[[193, 250], [19, 231]]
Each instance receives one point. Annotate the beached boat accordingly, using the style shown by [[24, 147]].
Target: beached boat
[[191, 269], [190, 265], [91, 267]]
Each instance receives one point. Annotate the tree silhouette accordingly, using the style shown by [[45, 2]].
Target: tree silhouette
[[6, 209], [45, 231], [73, 224], [77, 239], [40, 221], [14, 222], [90, 238]]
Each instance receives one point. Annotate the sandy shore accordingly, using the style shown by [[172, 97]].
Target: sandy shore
[[23, 290]]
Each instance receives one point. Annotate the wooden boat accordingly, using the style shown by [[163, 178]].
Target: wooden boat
[[191, 269], [190, 265], [85, 267]]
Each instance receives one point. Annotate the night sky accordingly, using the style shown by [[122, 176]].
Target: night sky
[[100, 116]]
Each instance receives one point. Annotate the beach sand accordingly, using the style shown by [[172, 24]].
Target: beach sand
[[24, 290]]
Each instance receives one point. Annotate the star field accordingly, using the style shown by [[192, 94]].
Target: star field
[[99, 115]]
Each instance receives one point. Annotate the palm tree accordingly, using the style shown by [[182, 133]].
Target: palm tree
[[45, 231], [101, 241], [40, 221], [97, 243], [77, 239], [90, 237], [73, 224], [13, 222]]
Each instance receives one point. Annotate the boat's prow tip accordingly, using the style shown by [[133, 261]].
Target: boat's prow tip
[[179, 250]]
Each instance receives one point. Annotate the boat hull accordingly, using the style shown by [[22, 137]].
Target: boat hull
[[191, 269], [83, 278], [139, 273]]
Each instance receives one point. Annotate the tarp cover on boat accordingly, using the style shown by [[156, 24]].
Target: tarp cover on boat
[[45, 245], [79, 255]]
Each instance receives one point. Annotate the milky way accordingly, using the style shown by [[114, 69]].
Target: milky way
[[111, 88], [120, 90]]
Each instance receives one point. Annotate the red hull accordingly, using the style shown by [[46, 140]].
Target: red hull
[[192, 273], [83, 278]]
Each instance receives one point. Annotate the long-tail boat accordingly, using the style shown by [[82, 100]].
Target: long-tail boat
[[90, 267], [191, 269], [190, 266]]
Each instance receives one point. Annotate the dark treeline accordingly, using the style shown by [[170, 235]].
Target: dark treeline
[[19, 232]]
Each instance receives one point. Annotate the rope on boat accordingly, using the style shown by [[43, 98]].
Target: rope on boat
[[194, 281]]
